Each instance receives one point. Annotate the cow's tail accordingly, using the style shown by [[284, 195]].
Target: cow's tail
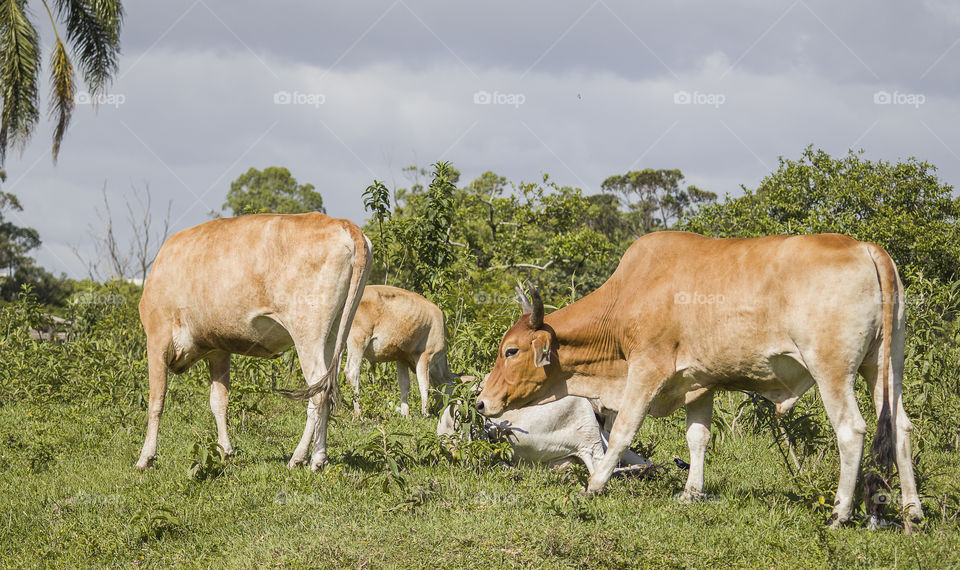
[[882, 452], [327, 386]]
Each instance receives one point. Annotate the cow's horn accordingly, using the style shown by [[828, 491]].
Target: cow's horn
[[536, 306], [524, 301]]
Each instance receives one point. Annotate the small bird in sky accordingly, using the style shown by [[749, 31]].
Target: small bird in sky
[[681, 463]]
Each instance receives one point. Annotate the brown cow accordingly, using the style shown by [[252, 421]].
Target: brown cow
[[254, 285], [685, 315], [396, 325]]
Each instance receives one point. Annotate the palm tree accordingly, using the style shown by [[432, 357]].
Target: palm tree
[[93, 34]]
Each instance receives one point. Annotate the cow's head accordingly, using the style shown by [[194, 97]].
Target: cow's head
[[525, 361]]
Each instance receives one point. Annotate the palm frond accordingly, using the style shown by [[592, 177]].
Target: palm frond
[[19, 75], [61, 93], [93, 31]]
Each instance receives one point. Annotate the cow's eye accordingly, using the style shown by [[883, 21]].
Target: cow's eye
[[510, 352]]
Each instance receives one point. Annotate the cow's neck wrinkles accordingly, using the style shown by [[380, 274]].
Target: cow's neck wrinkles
[[587, 341]]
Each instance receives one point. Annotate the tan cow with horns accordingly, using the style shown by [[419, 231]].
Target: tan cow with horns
[[254, 285], [684, 316]]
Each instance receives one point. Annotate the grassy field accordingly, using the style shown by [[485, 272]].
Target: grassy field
[[69, 496]]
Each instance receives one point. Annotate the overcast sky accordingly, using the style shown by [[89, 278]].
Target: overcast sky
[[342, 93]]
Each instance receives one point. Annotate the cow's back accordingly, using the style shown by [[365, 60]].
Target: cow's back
[[745, 290], [399, 323], [228, 278]]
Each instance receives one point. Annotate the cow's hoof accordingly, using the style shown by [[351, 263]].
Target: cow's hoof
[[835, 521], [690, 497], [405, 410], [914, 513], [356, 409], [591, 492], [226, 452], [144, 463], [318, 465], [295, 462]]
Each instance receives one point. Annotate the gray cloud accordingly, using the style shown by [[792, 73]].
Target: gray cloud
[[587, 90]]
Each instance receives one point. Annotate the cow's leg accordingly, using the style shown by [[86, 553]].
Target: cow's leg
[[901, 427], [423, 382], [300, 453], [319, 458], [315, 429], [403, 378], [315, 342], [590, 455], [157, 366], [324, 402], [354, 360], [838, 397], [908, 484], [699, 416], [644, 381], [609, 417], [219, 389]]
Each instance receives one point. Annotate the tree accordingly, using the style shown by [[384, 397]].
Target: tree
[[272, 190], [16, 243], [93, 34], [655, 198], [902, 207], [116, 259], [376, 200]]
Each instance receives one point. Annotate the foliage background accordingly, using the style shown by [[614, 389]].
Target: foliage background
[[72, 413]]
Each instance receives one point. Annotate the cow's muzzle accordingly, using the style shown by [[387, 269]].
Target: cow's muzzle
[[488, 408]]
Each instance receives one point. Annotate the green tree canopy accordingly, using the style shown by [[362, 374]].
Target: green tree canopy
[[15, 242], [16, 266], [902, 207], [273, 189], [655, 199]]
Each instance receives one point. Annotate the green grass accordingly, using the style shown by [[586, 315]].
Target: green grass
[[69, 496]]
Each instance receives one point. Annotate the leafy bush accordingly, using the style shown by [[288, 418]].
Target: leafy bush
[[103, 359]]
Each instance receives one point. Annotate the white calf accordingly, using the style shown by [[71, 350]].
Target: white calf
[[552, 434]]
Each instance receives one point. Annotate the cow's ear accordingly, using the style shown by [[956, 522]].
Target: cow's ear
[[542, 348]]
